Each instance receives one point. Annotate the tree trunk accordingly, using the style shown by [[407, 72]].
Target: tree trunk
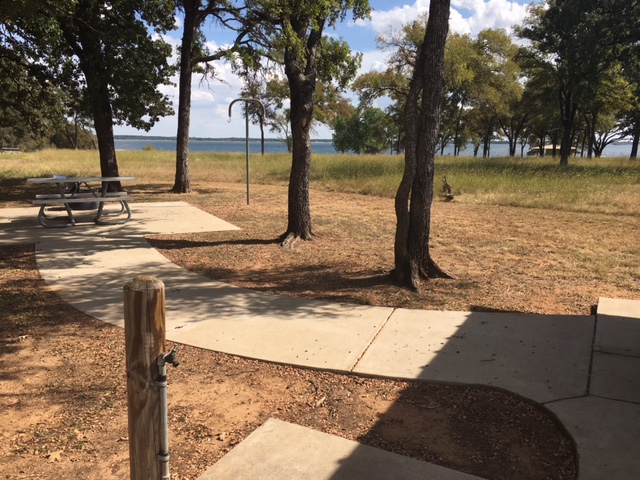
[[182, 183], [302, 89], [591, 121], [92, 64], [103, 122], [98, 92], [568, 111], [634, 143], [415, 194], [402, 271]]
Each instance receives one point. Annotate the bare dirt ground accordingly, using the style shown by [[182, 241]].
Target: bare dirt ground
[[62, 374]]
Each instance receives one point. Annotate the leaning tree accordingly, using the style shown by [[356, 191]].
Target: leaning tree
[[413, 201], [196, 57]]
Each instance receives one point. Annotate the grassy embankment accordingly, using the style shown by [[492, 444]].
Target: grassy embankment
[[596, 185]]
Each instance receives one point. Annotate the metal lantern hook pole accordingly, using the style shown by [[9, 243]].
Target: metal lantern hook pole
[[246, 118]]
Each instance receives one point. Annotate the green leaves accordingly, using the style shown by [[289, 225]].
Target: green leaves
[[74, 43], [366, 131]]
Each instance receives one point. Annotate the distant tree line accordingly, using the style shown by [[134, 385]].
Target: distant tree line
[[575, 85]]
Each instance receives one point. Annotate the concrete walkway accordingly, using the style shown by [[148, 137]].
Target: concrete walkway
[[585, 369]]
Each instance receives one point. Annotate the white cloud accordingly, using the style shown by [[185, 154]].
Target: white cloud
[[458, 24], [495, 14], [382, 21], [375, 60], [467, 16]]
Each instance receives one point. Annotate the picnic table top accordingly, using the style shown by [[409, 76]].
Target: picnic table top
[[65, 179]]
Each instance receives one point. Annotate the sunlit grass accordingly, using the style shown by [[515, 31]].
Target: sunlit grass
[[593, 185]]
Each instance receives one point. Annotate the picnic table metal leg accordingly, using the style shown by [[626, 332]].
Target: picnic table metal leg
[[61, 191], [124, 206], [46, 220]]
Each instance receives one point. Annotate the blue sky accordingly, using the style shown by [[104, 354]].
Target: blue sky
[[210, 102]]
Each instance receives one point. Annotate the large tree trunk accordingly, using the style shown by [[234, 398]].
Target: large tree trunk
[[103, 122], [89, 51], [299, 216], [98, 94], [415, 194], [301, 72], [401, 271], [568, 110], [182, 182]]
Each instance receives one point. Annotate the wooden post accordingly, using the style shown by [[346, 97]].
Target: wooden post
[[144, 331]]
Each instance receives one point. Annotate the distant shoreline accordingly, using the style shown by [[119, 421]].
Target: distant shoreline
[[152, 138], [207, 139]]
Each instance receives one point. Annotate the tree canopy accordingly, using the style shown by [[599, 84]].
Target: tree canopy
[[103, 54], [368, 130], [577, 41]]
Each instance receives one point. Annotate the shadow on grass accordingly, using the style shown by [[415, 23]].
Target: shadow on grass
[[481, 308], [323, 282], [17, 190], [163, 244]]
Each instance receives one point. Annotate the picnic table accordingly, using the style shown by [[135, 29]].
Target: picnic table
[[86, 192]]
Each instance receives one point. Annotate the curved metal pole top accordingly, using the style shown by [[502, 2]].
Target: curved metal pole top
[[246, 100]]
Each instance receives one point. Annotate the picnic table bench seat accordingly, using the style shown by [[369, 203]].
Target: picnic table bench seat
[[75, 198]]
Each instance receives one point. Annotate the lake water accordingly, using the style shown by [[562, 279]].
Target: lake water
[[219, 146], [498, 149]]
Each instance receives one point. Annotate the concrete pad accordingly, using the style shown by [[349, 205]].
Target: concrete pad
[[269, 327], [616, 377], [618, 327], [282, 451], [90, 275], [169, 218], [20, 225], [607, 434], [619, 307], [542, 357]]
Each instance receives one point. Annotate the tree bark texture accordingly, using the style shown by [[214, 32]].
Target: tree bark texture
[[415, 194], [635, 142], [92, 65], [182, 183], [568, 109], [299, 213], [301, 75]]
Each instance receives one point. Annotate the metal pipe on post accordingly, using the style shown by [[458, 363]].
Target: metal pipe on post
[[246, 116], [144, 331], [161, 383]]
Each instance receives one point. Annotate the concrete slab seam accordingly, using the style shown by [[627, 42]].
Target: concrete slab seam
[[368, 345], [564, 399], [613, 354], [614, 399]]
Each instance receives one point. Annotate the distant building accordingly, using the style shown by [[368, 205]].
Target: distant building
[[548, 150]]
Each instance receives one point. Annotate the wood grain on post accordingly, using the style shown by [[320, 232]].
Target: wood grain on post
[[144, 329]]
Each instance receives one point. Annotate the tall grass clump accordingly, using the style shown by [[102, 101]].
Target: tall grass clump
[[599, 185], [365, 174]]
